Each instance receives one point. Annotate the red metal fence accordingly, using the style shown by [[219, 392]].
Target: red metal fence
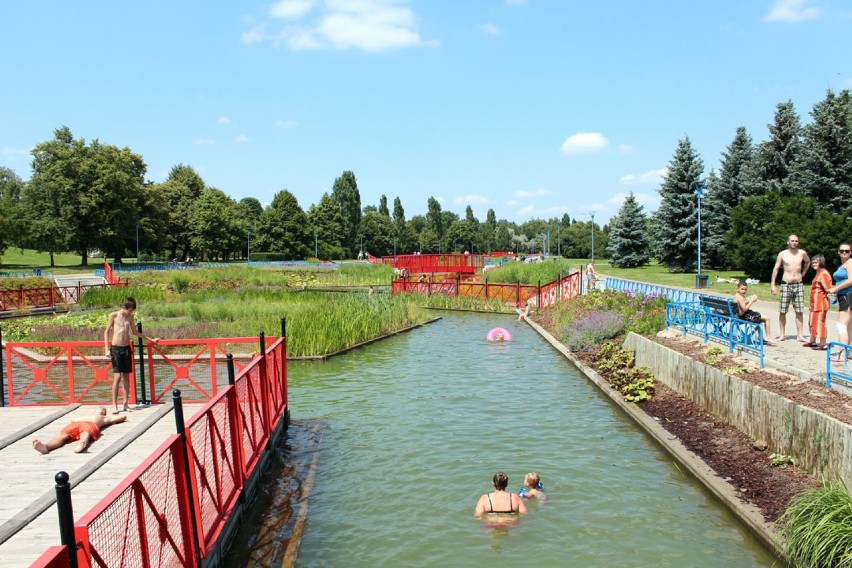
[[429, 263], [50, 297], [171, 509], [65, 372], [514, 294]]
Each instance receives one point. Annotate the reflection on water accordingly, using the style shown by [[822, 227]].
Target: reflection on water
[[418, 424]]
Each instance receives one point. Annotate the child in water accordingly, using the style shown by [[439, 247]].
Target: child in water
[[532, 488]]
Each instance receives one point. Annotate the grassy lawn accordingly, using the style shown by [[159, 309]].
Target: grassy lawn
[[17, 260]]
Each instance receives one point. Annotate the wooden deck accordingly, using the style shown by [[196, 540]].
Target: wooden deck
[[28, 517]]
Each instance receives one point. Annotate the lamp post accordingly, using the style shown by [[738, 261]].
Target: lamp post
[[137, 244], [316, 245], [248, 249], [559, 239], [699, 189], [592, 215]]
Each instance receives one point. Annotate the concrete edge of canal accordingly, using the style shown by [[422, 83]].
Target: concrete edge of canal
[[749, 515]]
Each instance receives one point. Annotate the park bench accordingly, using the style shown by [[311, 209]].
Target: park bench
[[716, 318]]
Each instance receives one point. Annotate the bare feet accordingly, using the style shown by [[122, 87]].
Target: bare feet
[[801, 339], [79, 447], [780, 338], [126, 409], [39, 446]]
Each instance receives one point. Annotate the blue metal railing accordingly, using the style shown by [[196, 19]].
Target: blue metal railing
[[840, 355], [697, 318], [672, 294]]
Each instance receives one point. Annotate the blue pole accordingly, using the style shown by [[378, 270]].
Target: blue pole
[[698, 190]]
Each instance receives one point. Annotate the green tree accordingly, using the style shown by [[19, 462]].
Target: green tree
[[488, 232], [214, 230], [98, 189], [774, 158], [329, 222], [503, 237], [284, 228], [345, 194], [182, 189], [434, 219], [383, 206], [628, 243], [378, 231], [407, 239], [736, 181], [11, 227], [823, 168], [676, 220]]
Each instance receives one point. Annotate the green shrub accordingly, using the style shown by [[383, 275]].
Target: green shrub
[[817, 527]]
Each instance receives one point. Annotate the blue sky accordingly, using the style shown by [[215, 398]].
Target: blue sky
[[533, 108]]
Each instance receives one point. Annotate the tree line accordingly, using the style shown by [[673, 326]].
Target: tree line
[[85, 196], [797, 181]]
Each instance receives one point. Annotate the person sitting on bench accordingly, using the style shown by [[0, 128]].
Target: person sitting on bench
[[745, 312]]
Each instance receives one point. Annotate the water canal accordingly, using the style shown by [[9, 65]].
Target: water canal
[[418, 424]]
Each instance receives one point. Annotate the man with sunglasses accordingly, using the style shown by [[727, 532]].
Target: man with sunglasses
[[796, 263]]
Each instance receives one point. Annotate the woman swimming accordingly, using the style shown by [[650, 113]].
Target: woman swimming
[[500, 501]]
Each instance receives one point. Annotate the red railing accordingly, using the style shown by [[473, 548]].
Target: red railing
[[110, 276], [172, 508], [514, 294], [65, 372], [50, 297], [417, 263]]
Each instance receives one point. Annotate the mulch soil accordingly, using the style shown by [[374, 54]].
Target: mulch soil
[[731, 454]]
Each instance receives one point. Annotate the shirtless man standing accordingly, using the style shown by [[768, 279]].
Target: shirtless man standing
[[796, 263], [83, 431], [118, 331]]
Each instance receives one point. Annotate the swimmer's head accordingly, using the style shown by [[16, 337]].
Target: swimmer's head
[[501, 480], [532, 480]]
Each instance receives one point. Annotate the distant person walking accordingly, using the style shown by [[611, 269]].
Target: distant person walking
[[795, 263], [120, 327]]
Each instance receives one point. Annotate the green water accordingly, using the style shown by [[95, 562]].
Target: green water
[[418, 424]]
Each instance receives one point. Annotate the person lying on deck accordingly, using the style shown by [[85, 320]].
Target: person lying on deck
[[83, 431]]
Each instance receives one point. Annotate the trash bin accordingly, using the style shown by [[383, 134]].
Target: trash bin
[[36, 271], [701, 280]]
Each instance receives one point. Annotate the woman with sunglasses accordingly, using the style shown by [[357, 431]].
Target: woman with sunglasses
[[843, 289]]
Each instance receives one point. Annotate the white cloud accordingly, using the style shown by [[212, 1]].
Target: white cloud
[[10, 154], [651, 176], [285, 123], [241, 139], [469, 199], [204, 141], [626, 148], [584, 142], [223, 120], [490, 29], [791, 12], [511, 203], [290, 9], [535, 193], [369, 25], [526, 210]]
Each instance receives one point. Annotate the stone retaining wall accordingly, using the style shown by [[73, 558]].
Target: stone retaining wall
[[819, 443]]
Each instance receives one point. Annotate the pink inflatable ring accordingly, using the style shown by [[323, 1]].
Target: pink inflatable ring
[[499, 334]]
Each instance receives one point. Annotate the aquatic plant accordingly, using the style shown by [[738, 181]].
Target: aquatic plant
[[591, 329], [817, 527]]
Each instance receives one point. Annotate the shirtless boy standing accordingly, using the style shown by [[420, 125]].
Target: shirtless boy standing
[[796, 263], [118, 331]]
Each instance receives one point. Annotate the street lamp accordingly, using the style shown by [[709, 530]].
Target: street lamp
[[559, 239], [699, 189], [248, 250], [592, 215], [137, 244]]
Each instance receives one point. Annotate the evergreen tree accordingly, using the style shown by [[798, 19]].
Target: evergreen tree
[[383, 206], [775, 157], [736, 181], [823, 169], [345, 194], [434, 219], [628, 241], [676, 220]]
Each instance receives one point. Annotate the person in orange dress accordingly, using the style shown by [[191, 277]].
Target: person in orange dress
[[83, 431], [819, 304]]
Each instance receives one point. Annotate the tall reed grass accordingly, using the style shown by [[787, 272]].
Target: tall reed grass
[[818, 527], [531, 273]]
